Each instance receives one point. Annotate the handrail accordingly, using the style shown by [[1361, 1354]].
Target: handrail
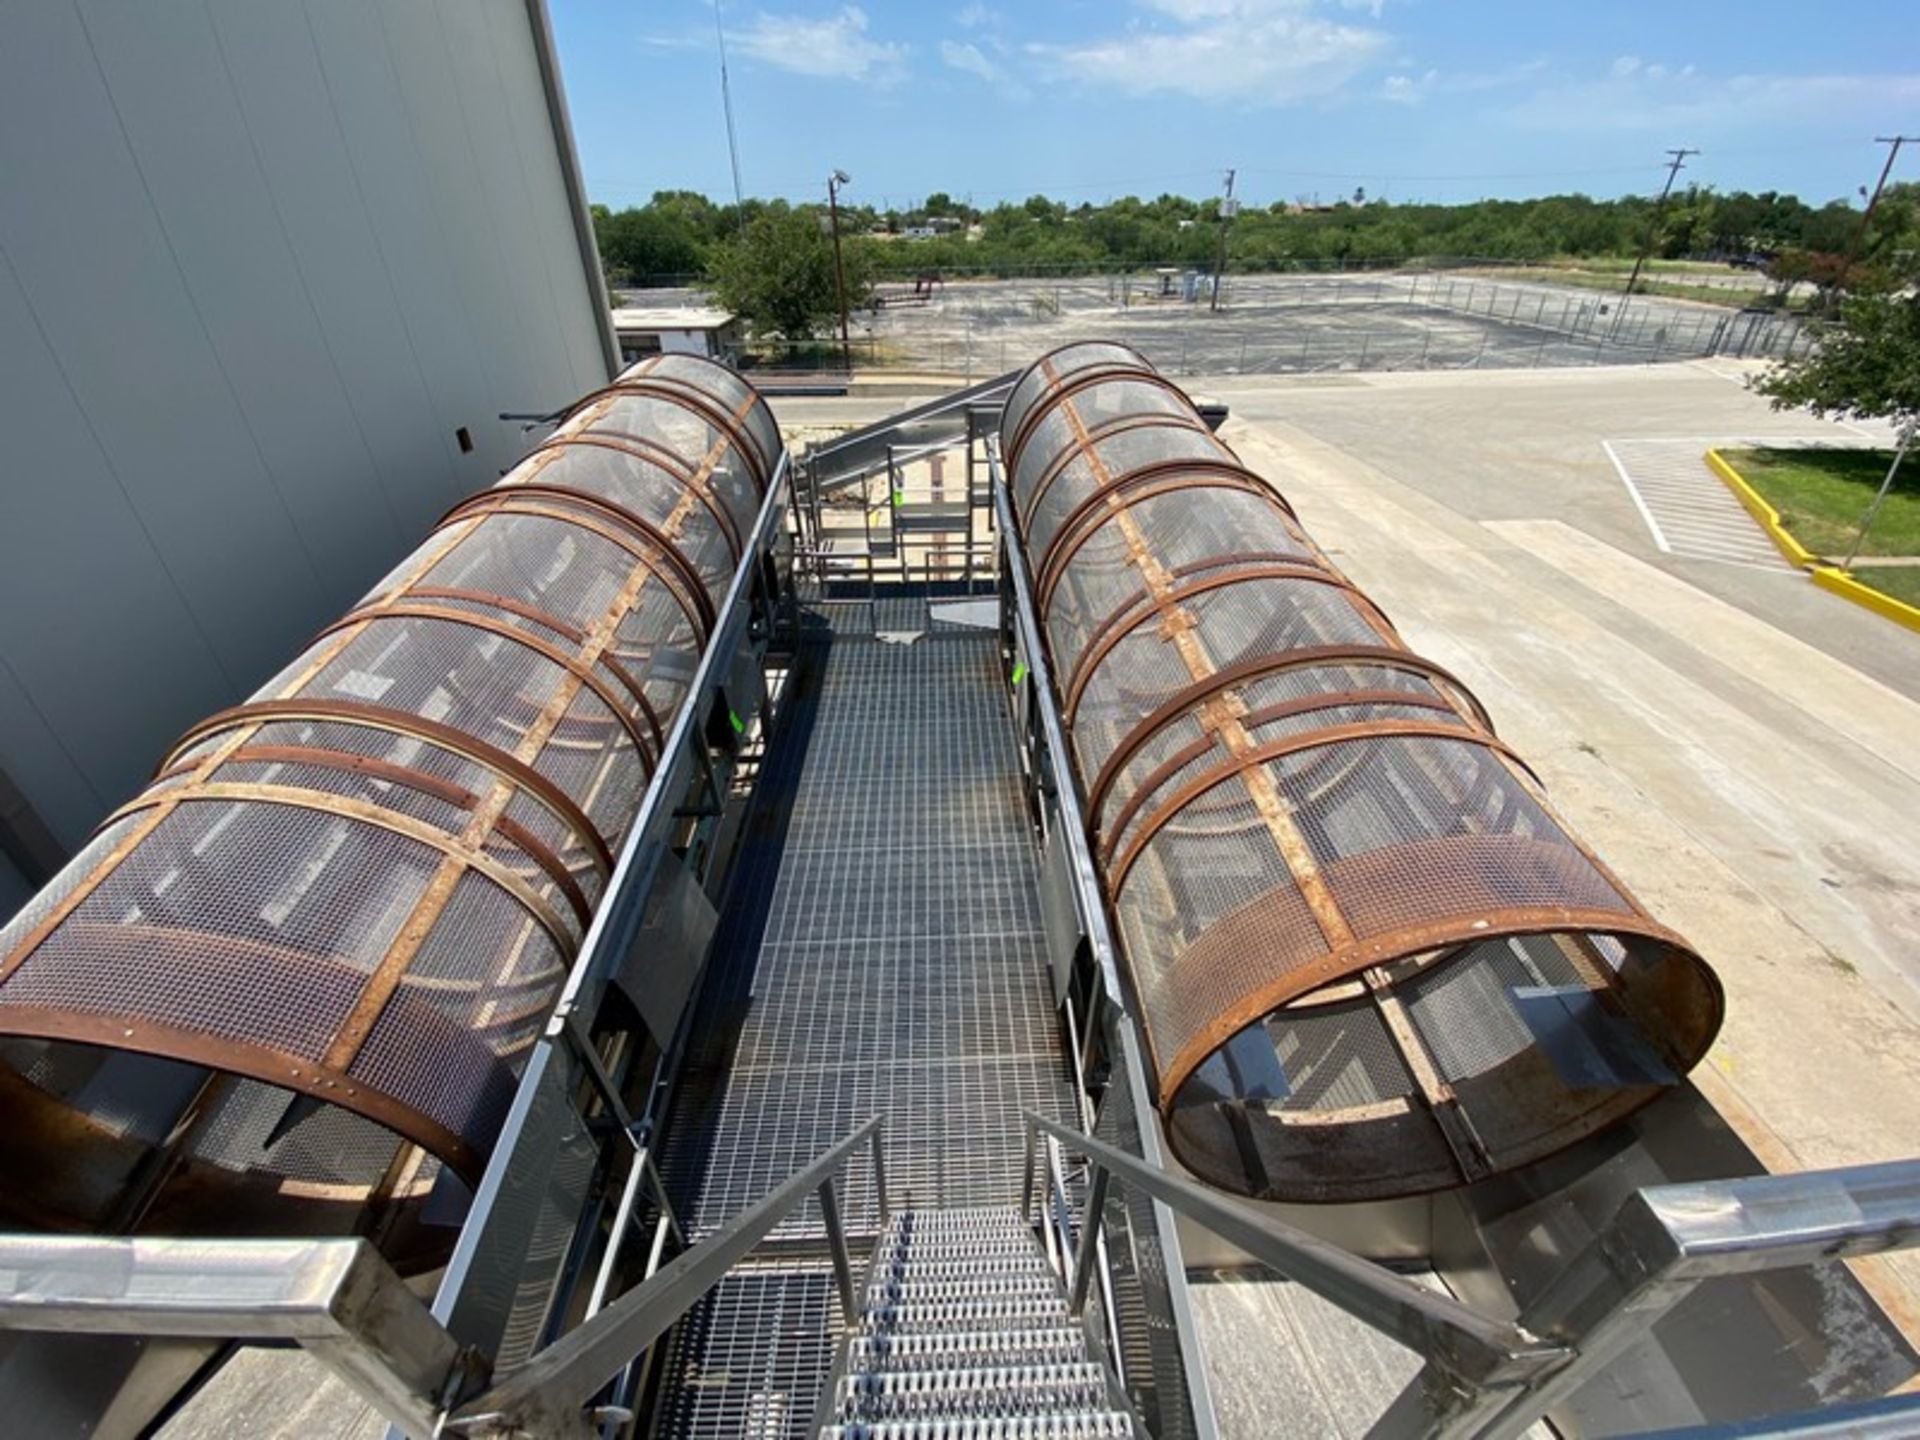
[[1485, 1379], [1472, 1347], [546, 1395]]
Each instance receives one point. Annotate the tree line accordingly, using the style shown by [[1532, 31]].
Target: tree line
[[683, 236]]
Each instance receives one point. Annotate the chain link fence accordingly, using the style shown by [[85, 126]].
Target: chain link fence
[[1282, 324]]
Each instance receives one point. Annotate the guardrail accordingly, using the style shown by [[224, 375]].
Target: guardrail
[[1487, 1379], [341, 1301]]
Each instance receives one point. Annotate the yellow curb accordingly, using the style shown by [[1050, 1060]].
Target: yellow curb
[[1845, 586], [1768, 517]]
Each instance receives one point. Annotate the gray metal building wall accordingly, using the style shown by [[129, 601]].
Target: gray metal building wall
[[259, 261]]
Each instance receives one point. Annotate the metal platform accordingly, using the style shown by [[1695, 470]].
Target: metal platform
[[882, 953]]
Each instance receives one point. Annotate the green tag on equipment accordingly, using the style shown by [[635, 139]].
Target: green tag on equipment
[[1019, 671], [899, 497], [739, 725]]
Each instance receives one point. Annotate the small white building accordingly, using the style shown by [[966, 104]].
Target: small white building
[[679, 330]]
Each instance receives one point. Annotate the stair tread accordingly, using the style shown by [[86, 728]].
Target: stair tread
[[966, 1335]]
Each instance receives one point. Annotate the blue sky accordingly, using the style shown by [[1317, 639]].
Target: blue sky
[[1089, 99]]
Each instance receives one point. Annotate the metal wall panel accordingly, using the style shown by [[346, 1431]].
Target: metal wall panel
[[259, 261]]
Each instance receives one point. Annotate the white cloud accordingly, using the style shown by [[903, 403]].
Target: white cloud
[[977, 17], [1404, 87], [834, 48], [1409, 89], [1261, 51], [961, 56]]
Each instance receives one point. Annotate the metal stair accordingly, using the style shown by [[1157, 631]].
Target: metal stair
[[965, 1335]]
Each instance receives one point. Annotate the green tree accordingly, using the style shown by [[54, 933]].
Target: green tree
[[1868, 368], [778, 273]]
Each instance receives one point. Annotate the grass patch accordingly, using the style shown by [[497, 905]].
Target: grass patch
[[1822, 494], [1587, 278], [1902, 582]]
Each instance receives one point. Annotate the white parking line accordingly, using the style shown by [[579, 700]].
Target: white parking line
[[1640, 503], [1688, 511]]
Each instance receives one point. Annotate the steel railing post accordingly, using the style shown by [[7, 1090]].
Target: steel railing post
[[880, 1174], [1091, 1220], [842, 1262], [1026, 1174]]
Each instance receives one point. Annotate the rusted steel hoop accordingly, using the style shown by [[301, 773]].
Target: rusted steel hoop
[[1347, 960], [565, 629], [581, 669], [623, 444], [690, 397], [1200, 469], [251, 1059], [1044, 367], [1144, 595], [508, 768], [1120, 866], [1075, 448], [344, 807], [1385, 657], [1160, 478], [499, 501], [411, 779], [1085, 668], [1253, 720], [1082, 380]]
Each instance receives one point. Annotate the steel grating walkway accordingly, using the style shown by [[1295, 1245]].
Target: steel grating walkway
[[881, 952]]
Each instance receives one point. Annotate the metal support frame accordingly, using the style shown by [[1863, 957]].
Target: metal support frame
[[548, 1396], [339, 1299], [1487, 1379]]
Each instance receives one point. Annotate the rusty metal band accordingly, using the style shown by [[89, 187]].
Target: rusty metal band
[[256, 1061], [709, 407], [1082, 380], [346, 808], [562, 628], [735, 433], [1253, 720], [1076, 449], [1145, 595], [1304, 570], [1383, 657], [581, 669], [1118, 867], [1385, 948], [1044, 366], [389, 773], [493, 600], [605, 423], [508, 768], [632, 445], [499, 500], [1155, 481]]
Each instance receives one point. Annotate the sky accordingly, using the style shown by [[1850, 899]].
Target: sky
[[1437, 100]]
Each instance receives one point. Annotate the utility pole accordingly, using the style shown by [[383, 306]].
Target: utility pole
[[1893, 142], [1653, 230], [1229, 207], [834, 182], [726, 104]]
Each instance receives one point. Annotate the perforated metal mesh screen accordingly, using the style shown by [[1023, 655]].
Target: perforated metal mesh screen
[[1369, 958], [366, 884]]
